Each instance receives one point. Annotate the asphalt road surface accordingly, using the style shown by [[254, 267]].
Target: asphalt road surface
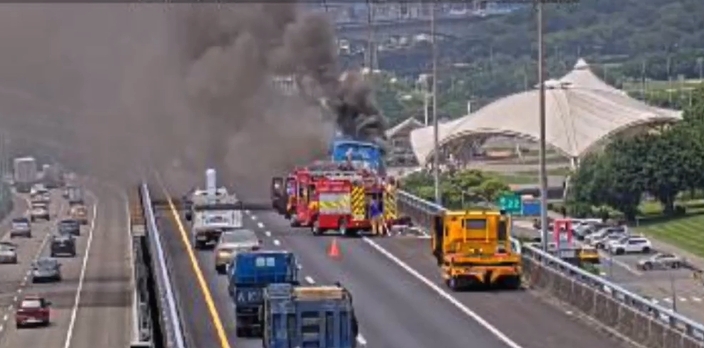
[[393, 308], [91, 305]]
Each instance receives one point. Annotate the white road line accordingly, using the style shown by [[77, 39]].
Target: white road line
[[267, 233], [309, 280], [696, 299], [81, 278], [667, 299], [247, 212], [481, 321], [276, 242], [19, 291], [361, 340], [261, 225], [4, 318], [2, 327], [682, 299], [14, 299], [254, 217], [9, 308]]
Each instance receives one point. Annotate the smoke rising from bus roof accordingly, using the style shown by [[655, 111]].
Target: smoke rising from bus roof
[[178, 87]]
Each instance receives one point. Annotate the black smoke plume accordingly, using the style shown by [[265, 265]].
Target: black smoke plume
[[179, 87]]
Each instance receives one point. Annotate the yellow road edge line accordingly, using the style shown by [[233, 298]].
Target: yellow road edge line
[[207, 296]]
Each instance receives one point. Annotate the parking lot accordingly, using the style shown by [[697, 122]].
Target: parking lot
[[673, 288]]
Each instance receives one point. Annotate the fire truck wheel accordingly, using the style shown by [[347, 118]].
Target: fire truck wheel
[[295, 223], [343, 228], [315, 228]]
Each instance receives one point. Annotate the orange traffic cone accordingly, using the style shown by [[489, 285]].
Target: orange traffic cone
[[334, 250]]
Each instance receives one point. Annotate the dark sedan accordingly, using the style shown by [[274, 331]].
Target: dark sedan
[[46, 269]]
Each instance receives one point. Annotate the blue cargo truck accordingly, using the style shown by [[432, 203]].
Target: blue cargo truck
[[308, 317], [249, 274]]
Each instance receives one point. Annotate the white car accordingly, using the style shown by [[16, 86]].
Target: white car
[[601, 234], [8, 253], [607, 235], [631, 244], [39, 213]]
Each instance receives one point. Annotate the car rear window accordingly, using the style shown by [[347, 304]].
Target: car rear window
[[31, 304]]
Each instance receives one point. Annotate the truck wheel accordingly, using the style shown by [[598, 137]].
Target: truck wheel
[[295, 223], [453, 284], [343, 228], [240, 332], [315, 228]]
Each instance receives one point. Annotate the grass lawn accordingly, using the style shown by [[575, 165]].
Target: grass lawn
[[528, 177], [658, 85], [686, 232]]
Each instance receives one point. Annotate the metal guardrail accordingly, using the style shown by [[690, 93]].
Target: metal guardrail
[[630, 314], [142, 331], [170, 318]]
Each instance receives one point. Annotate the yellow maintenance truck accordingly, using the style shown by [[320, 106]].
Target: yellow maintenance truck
[[473, 249]]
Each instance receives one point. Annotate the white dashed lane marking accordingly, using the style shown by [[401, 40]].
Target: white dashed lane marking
[[267, 233], [276, 242], [261, 225], [309, 280]]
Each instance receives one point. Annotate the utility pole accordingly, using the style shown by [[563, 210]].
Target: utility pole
[[426, 100], [541, 111], [669, 81], [642, 81], [436, 136], [700, 64], [369, 61]]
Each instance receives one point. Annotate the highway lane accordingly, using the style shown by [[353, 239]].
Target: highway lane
[[520, 315], [394, 308], [87, 309], [103, 315], [14, 278]]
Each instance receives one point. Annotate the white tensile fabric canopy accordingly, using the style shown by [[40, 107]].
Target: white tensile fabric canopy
[[581, 110]]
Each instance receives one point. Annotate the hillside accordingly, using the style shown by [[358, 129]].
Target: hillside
[[619, 38]]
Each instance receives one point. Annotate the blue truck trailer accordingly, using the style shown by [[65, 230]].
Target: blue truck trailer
[[308, 317], [250, 273]]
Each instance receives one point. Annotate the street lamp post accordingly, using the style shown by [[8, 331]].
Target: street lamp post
[[436, 140], [541, 111]]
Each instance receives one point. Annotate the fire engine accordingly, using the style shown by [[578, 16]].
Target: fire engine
[[332, 196]]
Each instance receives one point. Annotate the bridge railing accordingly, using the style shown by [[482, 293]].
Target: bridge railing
[[628, 313], [169, 317]]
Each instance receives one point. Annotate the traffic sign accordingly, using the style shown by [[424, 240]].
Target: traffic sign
[[511, 203]]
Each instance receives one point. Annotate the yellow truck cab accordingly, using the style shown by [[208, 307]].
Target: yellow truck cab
[[473, 249]]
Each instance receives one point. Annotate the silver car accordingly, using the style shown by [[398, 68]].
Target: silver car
[[231, 242], [21, 227], [660, 261], [8, 252]]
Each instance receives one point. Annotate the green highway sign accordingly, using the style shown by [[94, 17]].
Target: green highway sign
[[511, 203]]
